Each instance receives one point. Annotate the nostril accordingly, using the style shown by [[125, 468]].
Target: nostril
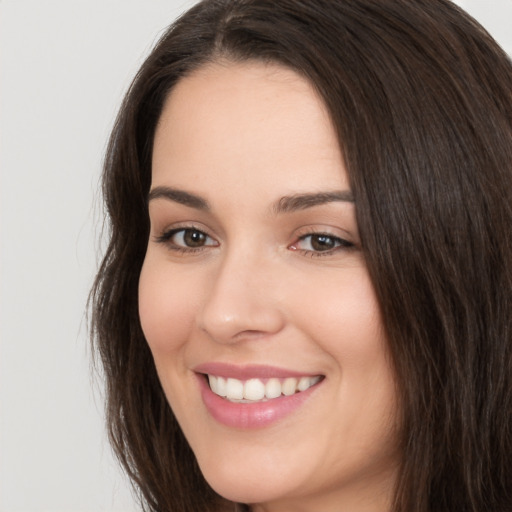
[[236, 309]]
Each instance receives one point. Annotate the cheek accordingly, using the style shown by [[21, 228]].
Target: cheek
[[166, 309], [344, 320], [343, 316]]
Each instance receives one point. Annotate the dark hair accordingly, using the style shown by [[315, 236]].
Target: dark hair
[[421, 98]]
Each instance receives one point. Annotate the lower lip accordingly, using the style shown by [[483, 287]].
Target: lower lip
[[251, 415]]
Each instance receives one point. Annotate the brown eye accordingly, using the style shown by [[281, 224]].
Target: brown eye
[[316, 243], [194, 238], [323, 242], [183, 239]]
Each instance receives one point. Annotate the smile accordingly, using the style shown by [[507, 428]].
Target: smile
[[254, 396], [259, 390]]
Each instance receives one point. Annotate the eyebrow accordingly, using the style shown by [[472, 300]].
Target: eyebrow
[[285, 204], [297, 202], [179, 196]]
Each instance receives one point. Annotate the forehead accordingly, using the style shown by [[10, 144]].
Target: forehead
[[246, 124]]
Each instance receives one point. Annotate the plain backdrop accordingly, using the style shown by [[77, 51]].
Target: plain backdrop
[[64, 66]]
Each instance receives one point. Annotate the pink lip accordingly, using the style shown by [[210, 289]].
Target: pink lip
[[248, 371], [249, 415]]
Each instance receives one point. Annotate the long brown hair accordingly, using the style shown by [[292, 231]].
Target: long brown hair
[[421, 98]]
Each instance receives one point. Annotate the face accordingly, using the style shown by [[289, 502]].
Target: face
[[255, 300]]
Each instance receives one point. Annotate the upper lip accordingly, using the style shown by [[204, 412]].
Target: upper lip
[[245, 372]]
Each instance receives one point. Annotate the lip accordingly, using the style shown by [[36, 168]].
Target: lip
[[250, 415], [247, 372]]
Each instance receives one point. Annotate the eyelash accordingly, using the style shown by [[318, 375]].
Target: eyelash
[[166, 238], [340, 244]]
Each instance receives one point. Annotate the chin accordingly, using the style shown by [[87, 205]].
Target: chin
[[246, 486], [239, 491]]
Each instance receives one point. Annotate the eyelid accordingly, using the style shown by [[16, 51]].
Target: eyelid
[[343, 242], [323, 229], [166, 235]]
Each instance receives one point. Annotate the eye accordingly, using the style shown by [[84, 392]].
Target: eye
[[186, 239], [320, 243]]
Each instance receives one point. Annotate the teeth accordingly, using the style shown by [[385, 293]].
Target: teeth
[[234, 389], [218, 385], [289, 386], [304, 383], [256, 390], [212, 380], [273, 388], [221, 386]]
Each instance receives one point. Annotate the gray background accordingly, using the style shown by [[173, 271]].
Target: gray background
[[64, 65]]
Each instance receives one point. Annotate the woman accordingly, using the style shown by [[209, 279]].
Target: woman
[[305, 303]]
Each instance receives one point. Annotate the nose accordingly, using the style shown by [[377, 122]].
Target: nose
[[242, 301]]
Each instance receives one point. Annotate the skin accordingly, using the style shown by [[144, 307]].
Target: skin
[[259, 291]]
